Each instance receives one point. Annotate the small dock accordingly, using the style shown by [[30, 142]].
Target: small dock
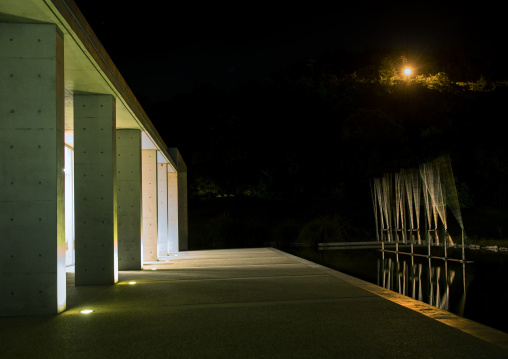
[[244, 303]]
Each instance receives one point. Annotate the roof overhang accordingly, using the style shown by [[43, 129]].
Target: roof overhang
[[88, 68]]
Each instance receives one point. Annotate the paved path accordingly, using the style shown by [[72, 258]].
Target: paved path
[[245, 303]]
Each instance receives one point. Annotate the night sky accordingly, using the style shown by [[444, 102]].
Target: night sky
[[194, 68], [165, 51], [299, 136]]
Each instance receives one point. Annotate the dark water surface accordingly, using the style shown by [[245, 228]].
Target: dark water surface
[[477, 290]]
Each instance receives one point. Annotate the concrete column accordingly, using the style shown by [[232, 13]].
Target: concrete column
[[173, 211], [149, 185], [183, 229], [130, 211], [181, 193], [32, 220], [162, 209], [95, 189]]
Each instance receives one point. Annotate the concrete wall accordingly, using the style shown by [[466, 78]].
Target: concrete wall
[[183, 229], [181, 179], [149, 185], [130, 211], [32, 240], [162, 209], [172, 212], [36, 107], [95, 189]]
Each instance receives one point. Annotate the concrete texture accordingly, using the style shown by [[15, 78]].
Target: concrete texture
[[53, 91], [162, 209], [32, 232], [95, 189], [181, 201], [88, 67], [245, 303], [129, 199], [149, 190], [173, 212]]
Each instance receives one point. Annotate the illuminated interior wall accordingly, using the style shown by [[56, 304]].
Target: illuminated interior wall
[[149, 188], [32, 228], [69, 206], [95, 189], [129, 194]]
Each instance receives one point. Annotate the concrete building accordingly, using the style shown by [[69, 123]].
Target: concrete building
[[85, 178]]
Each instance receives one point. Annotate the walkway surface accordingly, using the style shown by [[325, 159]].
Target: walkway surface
[[244, 303]]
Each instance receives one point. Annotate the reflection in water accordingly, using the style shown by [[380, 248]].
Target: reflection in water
[[435, 281], [427, 282]]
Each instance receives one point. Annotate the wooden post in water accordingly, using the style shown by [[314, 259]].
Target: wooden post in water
[[412, 241], [444, 242], [431, 292], [428, 240], [447, 285], [463, 247]]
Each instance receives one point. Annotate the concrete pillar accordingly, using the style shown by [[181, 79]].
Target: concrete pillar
[[32, 220], [149, 186], [95, 189], [162, 209], [172, 212], [183, 228], [181, 198], [130, 211]]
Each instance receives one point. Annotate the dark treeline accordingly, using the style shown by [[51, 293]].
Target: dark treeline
[[318, 131]]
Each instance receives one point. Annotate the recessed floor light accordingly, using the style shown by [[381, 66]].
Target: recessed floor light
[[132, 282], [154, 268], [87, 311]]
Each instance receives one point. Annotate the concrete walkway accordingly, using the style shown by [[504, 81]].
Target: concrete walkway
[[245, 303]]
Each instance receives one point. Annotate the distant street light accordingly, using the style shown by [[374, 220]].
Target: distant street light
[[408, 71]]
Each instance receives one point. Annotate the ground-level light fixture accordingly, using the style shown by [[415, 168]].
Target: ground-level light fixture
[[132, 282], [86, 311]]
